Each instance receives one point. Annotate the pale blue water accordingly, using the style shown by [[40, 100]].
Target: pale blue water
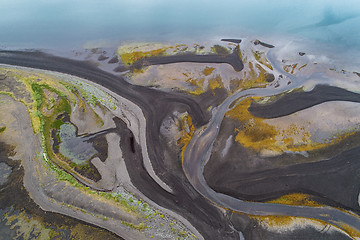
[[65, 23]]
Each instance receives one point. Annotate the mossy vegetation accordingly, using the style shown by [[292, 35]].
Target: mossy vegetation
[[197, 85], [254, 133], [283, 223], [256, 77], [296, 199], [2, 129], [220, 50], [132, 53], [208, 70], [187, 131], [276, 220], [216, 83], [353, 233], [57, 123], [260, 57], [140, 226], [291, 68]]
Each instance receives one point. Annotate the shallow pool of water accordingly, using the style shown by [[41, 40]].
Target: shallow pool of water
[[74, 147]]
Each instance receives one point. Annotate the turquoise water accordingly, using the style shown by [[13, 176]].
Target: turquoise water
[[64, 23]]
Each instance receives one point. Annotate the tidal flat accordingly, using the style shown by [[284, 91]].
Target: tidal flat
[[214, 140]]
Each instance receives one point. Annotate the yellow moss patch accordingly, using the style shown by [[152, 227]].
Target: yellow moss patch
[[302, 66], [351, 231], [208, 70], [296, 199], [253, 132], [216, 83], [252, 78], [27, 226], [260, 57], [187, 131], [198, 84], [257, 134], [291, 68], [28, 78], [275, 221], [284, 223], [131, 53]]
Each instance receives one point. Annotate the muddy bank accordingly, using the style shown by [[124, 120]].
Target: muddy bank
[[296, 101]]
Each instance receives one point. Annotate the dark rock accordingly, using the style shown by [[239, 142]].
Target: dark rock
[[301, 53], [270, 77], [102, 57], [358, 74], [120, 68], [231, 40], [114, 60], [257, 42]]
